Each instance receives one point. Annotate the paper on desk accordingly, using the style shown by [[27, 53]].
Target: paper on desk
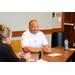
[[54, 54], [33, 60], [72, 49], [41, 60]]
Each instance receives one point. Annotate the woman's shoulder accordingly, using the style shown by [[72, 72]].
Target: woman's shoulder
[[4, 44], [7, 46]]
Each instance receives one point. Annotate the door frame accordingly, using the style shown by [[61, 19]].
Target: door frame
[[62, 21]]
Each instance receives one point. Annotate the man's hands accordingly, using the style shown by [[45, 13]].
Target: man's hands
[[47, 49]]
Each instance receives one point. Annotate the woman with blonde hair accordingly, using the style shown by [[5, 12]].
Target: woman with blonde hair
[[6, 52]]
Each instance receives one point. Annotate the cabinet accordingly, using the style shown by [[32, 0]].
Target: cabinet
[[68, 17], [69, 34], [69, 28]]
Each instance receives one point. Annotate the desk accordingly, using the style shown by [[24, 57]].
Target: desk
[[61, 58]]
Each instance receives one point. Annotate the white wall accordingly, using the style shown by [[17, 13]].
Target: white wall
[[18, 21], [57, 20]]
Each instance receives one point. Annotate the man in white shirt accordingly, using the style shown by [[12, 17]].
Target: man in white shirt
[[33, 40]]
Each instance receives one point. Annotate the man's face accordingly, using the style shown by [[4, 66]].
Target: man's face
[[34, 27]]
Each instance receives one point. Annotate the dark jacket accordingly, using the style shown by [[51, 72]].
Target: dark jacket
[[7, 54]]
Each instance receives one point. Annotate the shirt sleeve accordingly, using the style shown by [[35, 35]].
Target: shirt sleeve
[[45, 42], [11, 56], [25, 40]]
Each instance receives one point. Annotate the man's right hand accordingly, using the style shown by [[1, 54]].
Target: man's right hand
[[46, 49]]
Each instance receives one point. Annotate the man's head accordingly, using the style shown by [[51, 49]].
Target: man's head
[[33, 26]]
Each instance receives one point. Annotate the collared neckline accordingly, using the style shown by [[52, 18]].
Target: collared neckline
[[33, 34]]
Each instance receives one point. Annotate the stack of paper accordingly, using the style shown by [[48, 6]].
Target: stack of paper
[[41, 60], [72, 49], [54, 54]]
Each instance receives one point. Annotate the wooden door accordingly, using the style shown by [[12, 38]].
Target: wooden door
[[69, 29], [74, 29], [68, 17], [69, 34]]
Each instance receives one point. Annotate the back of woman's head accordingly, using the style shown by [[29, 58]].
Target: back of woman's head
[[4, 32]]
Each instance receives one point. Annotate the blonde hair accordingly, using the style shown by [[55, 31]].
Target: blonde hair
[[4, 32]]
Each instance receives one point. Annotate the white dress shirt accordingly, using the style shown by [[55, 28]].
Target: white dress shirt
[[33, 40]]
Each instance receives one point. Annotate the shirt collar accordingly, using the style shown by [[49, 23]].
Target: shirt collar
[[33, 34]]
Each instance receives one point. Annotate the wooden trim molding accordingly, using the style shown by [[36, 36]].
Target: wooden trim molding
[[62, 21], [57, 29], [45, 31], [17, 33]]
